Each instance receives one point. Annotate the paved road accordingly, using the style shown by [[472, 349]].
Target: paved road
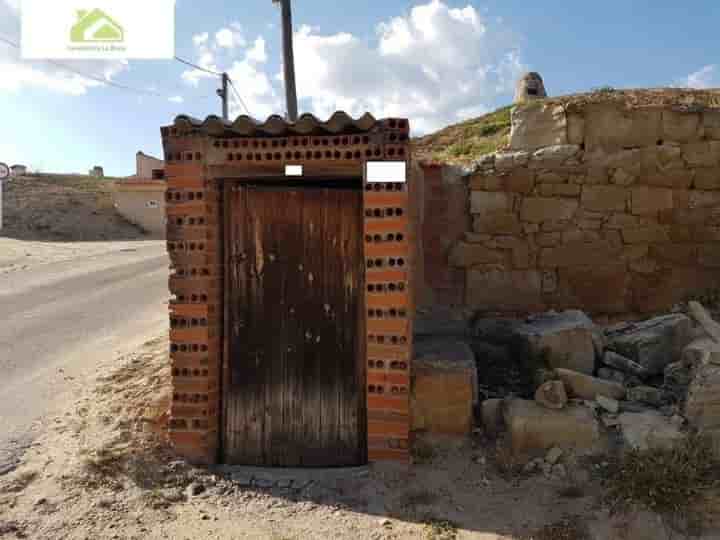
[[57, 319]]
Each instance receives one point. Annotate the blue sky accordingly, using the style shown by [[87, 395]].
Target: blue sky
[[434, 61]]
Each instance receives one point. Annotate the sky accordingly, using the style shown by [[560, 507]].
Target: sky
[[435, 62]]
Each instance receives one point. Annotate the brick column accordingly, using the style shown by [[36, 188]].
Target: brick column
[[388, 265], [194, 236]]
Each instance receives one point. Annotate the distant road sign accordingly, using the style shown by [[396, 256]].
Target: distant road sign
[[4, 171]]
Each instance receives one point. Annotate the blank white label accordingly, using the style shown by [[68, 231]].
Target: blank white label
[[386, 171], [293, 170]]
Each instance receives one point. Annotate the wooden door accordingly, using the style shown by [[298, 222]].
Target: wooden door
[[294, 377]]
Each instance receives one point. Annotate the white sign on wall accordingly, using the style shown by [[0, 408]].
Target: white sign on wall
[[98, 29], [386, 171]]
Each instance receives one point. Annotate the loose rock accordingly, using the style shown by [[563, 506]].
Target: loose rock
[[647, 394], [609, 404], [625, 365], [554, 455], [565, 338], [552, 395], [611, 375], [587, 387], [649, 431], [654, 343]]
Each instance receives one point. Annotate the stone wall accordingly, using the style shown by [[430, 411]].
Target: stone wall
[[599, 206]]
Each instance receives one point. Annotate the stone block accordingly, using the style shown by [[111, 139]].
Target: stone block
[[604, 198], [444, 387], [609, 127], [600, 288], [537, 125], [579, 254], [566, 339], [678, 179], [510, 160], [551, 395], [646, 235], [702, 407], [491, 412], [702, 154], [540, 209], [440, 322], [700, 352], [533, 429], [497, 222], [707, 179], [504, 290], [711, 124], [466, 255], [681, 126], [647, 201], [653, 343], [520, 181], [585, 386], [622, 178], [551, 157], [649, 430], [709, 255], [482, 202], [576, 128], [624, 364], [549, 177]]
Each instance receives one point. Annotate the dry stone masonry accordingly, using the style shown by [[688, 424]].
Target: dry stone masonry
[[608, 204]]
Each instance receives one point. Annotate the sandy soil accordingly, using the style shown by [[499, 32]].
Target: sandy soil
[[102, 470], [22, 254], [67, 208]]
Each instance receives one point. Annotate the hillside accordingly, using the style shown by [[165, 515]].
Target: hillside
[[466, 141], [48, 207]]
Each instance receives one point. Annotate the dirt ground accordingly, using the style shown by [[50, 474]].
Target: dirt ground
[[16, 255], [67, 208], [102, 471]]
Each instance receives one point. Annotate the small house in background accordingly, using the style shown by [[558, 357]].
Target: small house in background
[[97, 172], [141, 197], [18, 170]]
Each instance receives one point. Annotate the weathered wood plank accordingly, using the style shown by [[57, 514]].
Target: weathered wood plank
[[296, 394]]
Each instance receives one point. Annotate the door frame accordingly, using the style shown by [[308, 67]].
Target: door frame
[[354, 183]]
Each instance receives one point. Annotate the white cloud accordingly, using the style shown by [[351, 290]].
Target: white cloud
[[705, 77], [435, 65], [16, 73], [199, 39], [257, 53], [230, 38], [176, 99]]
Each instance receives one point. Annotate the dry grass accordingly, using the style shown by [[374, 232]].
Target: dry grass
[[467, 141], [568, 528], [440, 529], [675, 483]]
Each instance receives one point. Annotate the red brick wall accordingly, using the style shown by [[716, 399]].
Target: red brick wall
[[444, 219]]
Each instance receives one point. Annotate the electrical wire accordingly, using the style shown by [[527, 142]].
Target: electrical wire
[[188, 63], [95, 77], [237, 94]]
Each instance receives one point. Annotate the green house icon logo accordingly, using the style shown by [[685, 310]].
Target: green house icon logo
[[96, 26]]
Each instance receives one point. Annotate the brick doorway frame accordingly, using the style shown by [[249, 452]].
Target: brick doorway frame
[[200, 156]]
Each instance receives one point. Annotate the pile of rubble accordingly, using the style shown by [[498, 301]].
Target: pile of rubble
[[641, 385]]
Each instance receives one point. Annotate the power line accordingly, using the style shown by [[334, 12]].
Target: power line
[[95, 78], [242, 102], [188, 63]]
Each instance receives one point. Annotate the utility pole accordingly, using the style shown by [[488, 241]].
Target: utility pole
[[223, 93], [288, 59]]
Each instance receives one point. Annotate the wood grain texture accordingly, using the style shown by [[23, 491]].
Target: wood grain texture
[[294, 392]]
